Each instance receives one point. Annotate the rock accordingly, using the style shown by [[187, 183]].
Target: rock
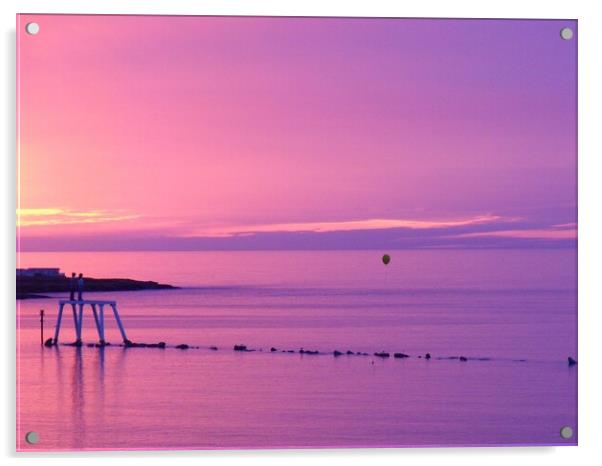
[[183, 346], [571, 361], [272, 349], [161, 344], [382, 354], [427, 356], [463, 358], [75, 343], [400, 355], [213, 348], [290, 351], [136, 345], [48, 343], [336, 353], [240, 347], [350, 352]]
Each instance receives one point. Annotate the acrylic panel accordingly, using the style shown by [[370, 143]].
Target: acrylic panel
[[282, 232]]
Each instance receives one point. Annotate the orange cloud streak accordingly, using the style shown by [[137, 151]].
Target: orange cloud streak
[[351, 225], [57, 216], [535, 234]]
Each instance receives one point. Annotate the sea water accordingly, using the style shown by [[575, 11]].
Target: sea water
[[511, 313]]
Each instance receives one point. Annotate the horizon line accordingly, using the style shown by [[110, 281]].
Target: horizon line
[[426, 248]]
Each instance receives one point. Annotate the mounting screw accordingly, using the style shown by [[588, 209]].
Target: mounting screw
[[32, 438], [566, 432], [32, 28], [566, 33]]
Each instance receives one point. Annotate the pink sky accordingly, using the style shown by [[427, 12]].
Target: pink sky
[[171, 129]]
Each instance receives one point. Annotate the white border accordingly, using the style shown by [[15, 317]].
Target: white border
[[590, 225]]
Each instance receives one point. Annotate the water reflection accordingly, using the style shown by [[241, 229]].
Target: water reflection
[[116, 397], [85, 387], [78, 400]]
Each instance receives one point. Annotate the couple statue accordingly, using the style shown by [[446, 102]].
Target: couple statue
[[77, 284]]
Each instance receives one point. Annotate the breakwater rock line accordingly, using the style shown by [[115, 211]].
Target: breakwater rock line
[[302, 351]]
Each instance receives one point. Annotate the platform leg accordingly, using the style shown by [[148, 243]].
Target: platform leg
[[121, 329], [79, 325], [101, 324], [96, 321], [57, 329], [75, 322]]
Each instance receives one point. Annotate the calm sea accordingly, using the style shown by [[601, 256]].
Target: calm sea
[[512, 313]]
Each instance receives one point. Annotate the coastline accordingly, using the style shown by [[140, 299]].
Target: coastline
[[35, 287]]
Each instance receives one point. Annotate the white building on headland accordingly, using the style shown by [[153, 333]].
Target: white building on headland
[[40, 272]]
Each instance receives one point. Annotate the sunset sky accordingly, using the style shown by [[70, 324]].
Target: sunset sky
[[249, 133]]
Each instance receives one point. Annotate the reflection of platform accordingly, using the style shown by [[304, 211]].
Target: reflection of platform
[[97, 307]]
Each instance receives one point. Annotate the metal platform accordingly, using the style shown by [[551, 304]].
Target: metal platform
[[97, 307]]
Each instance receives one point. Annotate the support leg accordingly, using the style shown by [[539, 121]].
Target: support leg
[[97, 322], [58, 325], [101, 324], [121, 329], [76, 323], [79, 326]]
